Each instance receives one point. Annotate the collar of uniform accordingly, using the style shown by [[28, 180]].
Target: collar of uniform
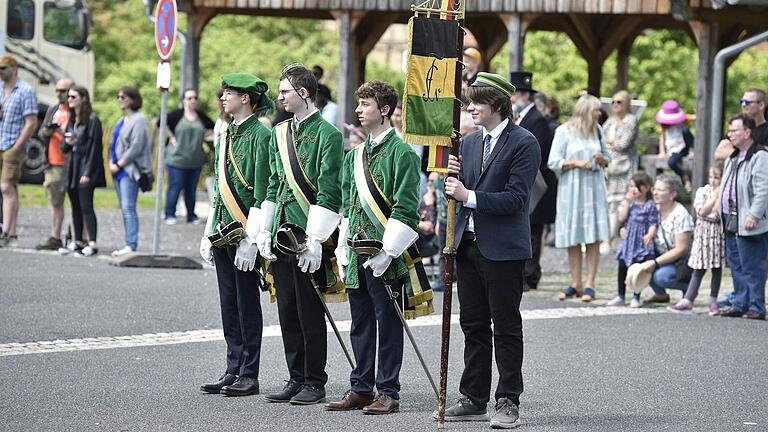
[[497, 130], [375, 142], [243, 120], [296, 123], [525, 110]]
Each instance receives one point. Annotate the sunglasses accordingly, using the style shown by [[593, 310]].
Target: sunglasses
[[617, 102], [747, 102], [2, 68], [71, 97], [121, 97]]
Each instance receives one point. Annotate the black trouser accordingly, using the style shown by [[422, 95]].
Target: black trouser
[[490, 291], [82, 209], [241, 315], [370, 305], [532, 266], [302, 321]]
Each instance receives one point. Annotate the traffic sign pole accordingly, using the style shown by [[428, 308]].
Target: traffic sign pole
[[160, 162]]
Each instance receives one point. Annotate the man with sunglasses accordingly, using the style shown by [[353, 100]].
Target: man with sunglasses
[[752, 106], [52, 134], [18, 120], [304, 191]]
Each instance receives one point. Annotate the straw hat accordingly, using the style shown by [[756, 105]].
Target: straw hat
[[637, 279]]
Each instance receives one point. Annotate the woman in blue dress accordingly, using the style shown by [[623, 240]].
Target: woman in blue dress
[[579, 155]]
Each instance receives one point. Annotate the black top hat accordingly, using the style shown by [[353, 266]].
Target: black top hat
[[522, 81]]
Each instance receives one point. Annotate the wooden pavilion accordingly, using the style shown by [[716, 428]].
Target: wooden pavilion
[[596, 27]]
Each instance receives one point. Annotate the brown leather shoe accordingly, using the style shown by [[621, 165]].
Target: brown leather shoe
[[350, 401], [657, 298], [383, 404]]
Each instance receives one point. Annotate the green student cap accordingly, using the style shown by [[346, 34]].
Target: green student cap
[[245, 81], [485, 79]]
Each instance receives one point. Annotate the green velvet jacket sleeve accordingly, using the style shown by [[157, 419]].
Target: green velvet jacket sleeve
[[261, 174]]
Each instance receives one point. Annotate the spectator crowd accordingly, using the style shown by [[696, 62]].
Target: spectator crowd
[[591, 195]]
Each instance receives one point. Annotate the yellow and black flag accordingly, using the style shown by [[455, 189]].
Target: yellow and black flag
[[430, 88]]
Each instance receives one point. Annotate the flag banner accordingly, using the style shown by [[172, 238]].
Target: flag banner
[[430, 88]]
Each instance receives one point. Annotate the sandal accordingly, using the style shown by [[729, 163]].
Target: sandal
[[589, 295], [569, 292]]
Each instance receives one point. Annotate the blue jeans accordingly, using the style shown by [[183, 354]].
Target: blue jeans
[[181, 179], [664, 277], [127, 192], [746, 257]]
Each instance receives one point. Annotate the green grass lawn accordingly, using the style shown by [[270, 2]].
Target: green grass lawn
[[104, 198]]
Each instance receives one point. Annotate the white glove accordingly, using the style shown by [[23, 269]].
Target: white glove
[[321, 223], [397, 238], [245, 257], [264, 244], [264, 237], [379, 263], [205, 250], [205, 244], [310, 259], [248, 250], [342, 259]]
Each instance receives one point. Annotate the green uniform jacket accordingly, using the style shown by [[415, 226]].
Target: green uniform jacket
[[395, 167], [250, 147], [320, 148]]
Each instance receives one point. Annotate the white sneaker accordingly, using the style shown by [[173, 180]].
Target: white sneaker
[[617, 301], [87, 252], [120, 252], [635, 303], [68, 249], [171, 221]]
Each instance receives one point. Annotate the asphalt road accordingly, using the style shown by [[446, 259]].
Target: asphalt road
[[587, 367]]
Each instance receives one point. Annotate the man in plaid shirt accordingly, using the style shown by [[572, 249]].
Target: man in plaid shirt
[[18, 120]]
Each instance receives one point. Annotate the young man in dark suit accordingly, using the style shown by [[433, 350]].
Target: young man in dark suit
[[534, 121], [496, 173]]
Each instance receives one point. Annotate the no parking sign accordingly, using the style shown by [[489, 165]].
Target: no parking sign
[[165, 28]]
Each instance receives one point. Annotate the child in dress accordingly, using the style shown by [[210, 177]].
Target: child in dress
[[642, 220], [708, 248]]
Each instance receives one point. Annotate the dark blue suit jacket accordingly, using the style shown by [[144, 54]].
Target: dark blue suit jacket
[[501, 218]]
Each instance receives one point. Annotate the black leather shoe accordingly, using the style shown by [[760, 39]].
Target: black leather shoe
[[244, 386], [309, 395], [215, 387], [291, 389], [731, 313], [750, 314]]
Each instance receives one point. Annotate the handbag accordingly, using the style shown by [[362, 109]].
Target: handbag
[[620, 165], [146, 180], [683, 272]]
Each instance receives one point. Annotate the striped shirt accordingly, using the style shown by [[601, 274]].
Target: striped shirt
[[19, 104]]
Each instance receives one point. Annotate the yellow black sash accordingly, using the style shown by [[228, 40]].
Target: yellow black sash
[[378, 209], [229, 196], [304, 192]]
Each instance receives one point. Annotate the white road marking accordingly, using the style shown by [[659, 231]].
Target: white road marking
[[172, 338]]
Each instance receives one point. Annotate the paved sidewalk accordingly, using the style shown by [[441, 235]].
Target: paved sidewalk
[[183, 239]]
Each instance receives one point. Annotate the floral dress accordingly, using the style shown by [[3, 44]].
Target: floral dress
[[708, 248], [640, 219]]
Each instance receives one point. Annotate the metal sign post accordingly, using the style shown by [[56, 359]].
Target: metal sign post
[[165, 35]]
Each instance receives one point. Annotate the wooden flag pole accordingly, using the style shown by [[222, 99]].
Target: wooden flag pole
[[449, 250]]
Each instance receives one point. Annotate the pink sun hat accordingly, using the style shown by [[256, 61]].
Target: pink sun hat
[[670, 113]]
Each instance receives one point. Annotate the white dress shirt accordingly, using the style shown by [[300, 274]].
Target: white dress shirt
[[471, 197], [523, 112]]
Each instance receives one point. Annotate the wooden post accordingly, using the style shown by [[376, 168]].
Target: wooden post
[[622, 64], [707, 37], [196, 22], [346, 89], [516, 41]]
